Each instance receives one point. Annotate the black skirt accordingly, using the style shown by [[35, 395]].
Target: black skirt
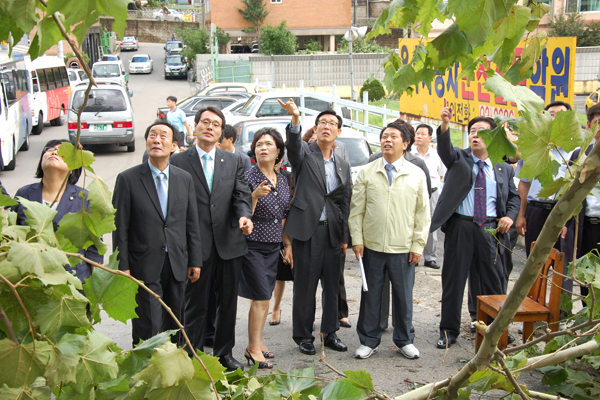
[[259, 270], [284, 271]]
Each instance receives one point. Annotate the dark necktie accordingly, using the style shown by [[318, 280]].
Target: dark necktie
[[388, 169], [479, 211]]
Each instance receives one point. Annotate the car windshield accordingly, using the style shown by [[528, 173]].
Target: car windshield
[[100, 100], [176, 59], [253, 128], [139, 59], [109, 58], [249, 106], [175, 45], [129, 39], [82, 75], [358, 150], [106, 70]]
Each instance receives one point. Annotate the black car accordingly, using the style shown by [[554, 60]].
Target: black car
[[172, 44], [192, 104], [175, 66]]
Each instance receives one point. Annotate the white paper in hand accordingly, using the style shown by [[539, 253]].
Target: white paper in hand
[[363, 277]]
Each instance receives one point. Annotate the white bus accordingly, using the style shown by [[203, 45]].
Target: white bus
[[50, 92], [15, 111]]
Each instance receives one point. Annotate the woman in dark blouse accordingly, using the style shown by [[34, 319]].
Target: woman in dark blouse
[[270, 199]]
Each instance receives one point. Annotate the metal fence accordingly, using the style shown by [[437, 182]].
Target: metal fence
[[316, 69], [587, 63], [232, 71]]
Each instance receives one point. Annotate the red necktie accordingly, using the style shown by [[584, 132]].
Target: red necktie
[[479, 211]]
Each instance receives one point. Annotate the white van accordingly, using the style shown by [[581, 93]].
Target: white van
[[113, 70]]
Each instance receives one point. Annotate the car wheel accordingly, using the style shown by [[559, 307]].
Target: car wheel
[[40, 125], [13, 163], [177, 20], [60, 121], [131, 147], [158, 18]]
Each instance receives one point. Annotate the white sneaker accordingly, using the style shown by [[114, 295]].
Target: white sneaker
[[409, 351], [365, 352]]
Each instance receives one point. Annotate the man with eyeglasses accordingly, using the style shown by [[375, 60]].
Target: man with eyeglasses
[[224, 211], [157, 233], [318, 225]]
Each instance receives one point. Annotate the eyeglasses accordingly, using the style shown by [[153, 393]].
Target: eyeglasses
[[330, 123], [51, 149], [209, 122]]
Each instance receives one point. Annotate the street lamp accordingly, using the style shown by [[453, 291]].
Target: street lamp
[[350, 36]]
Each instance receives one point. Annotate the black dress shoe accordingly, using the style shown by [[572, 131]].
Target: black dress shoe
[[307, 347], [511, 339], [441, 343], [335, 343], [345, 324], [230, 363], [432, 264], [473, 328]]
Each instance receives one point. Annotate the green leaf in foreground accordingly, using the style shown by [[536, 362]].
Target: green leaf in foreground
[[526, 100], [140, 356], [35, 258], [114, 293], [39, 219], [168, 366], [295, 381], [24, 393], [97, 363], [498, 144], [215, 368], [343, 389], [186, 390], [7, 201], [65, 311], [64, 357], [361, 379], [76, 158], [20, 365]]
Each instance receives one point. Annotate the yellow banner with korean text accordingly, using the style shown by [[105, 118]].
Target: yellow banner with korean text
[[552, 79]]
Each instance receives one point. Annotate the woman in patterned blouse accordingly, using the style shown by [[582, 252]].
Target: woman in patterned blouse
[[270, 200]]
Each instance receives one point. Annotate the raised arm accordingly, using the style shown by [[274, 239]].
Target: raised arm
[[445, 149]]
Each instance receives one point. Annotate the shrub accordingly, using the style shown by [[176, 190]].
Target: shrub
[[374, 88], [277, 40]]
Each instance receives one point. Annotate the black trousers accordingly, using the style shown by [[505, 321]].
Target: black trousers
[[342, 302], [589, 242], [315, 260], [402, 276], [152, 317], [468, 250], [223, 277]]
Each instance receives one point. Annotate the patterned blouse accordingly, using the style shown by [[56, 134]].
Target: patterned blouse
[[270, 209]]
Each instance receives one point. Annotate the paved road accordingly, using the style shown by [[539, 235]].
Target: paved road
[[391, 372]]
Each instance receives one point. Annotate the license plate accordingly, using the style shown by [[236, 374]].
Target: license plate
[[100, 127]]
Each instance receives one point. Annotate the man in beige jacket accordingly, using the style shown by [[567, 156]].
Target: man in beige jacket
[[389, 223]]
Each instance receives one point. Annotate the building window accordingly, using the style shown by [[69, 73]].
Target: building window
[[275, 1], [574, 6]]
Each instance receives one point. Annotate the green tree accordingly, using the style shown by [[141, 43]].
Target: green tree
[[374, 88], [362, 46], [573, 25], [277, 40], [255, 12], [196, 41]]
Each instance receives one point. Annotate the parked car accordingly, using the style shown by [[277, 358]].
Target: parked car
[[76, 76], [216, 88], [235, 95], [110, 57], [110, 70], [192, 104], [167, 15], [358, 149], [592, 99], [248, 127], [130, 43], [176, 66], [265, 104], [107, 118], [172, 44], [141, 63]]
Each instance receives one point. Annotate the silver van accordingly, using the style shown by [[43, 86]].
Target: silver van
[[107, 117]]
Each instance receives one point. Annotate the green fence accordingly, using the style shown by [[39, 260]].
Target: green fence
[[228, 71]]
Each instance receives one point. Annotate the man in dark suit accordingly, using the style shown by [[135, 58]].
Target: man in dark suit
[[318, 225], [478, 195], [157, 233], [226, 141], [224, 211]]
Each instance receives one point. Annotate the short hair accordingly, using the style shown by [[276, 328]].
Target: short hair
[[276, 136], [475, 120], [306, 137], [558, 103], [592, 112], [329, 112], [174, 130], [410, 129], [429, 128], [39, 173], [403, 131], [212, 110], [178, 137], [172, 98], [229, 132]]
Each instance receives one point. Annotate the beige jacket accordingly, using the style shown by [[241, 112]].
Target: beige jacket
[[390, 219]]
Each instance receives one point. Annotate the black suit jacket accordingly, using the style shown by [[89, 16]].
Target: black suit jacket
[[70, 202], [142, 232], [219, 211], [245, 160], [460, 178], [310, 192], [411, 158]]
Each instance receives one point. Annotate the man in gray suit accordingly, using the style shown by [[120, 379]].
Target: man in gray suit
[[318, 225], [226, 141], [224, 211], [157, 232]]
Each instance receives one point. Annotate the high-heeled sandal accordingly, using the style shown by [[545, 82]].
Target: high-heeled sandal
[[261, 364], [275, 322], [268, 354]]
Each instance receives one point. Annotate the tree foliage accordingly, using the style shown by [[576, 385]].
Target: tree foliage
[[362, 46], [572, 25], [196, 41], [255, 12], [374, 88], [277, 40]]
